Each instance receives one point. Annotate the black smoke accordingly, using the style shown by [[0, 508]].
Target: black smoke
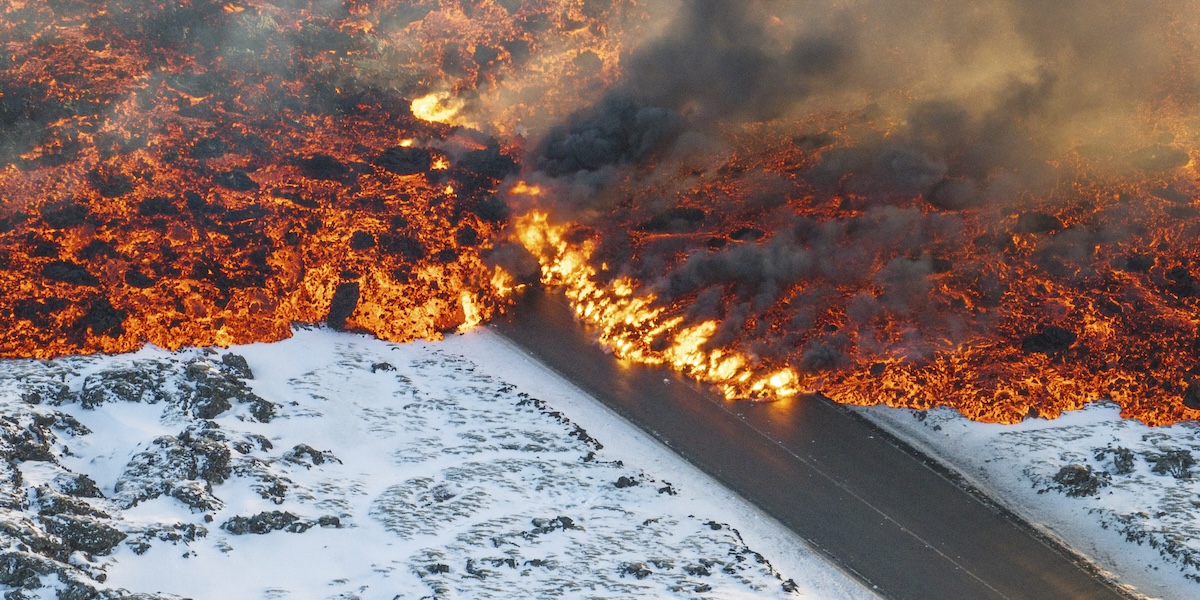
[[914, 118]]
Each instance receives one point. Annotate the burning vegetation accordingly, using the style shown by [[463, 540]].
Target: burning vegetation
[[991, 207]]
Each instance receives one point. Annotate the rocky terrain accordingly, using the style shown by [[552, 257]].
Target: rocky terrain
[[336, 466]]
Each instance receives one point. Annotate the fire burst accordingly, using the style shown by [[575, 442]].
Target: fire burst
[[635, 329]]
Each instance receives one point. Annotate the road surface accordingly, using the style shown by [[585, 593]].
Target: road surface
[[861, 497]]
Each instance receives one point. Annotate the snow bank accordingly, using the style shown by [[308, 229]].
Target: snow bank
[[333, 465]]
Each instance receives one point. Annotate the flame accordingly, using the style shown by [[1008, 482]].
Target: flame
[[631, 325], [437, 107]]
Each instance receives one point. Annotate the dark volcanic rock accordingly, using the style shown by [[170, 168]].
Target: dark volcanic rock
[[303, 454], [1191, 397], [405, 161], [324, 167], [361, 240], [345, 300], [747, 234], [1176, 463], [102, 318], [676, 220], [265, 522], [624, 482], [137, 279], [236, 365], [954, 194], [467, 237], [63, 216], [205, 148], [236, 180], [110, 184], [1170, 194], [489, 163], [1134, 263], [69, 272], [1182, 283], [184, 467], [403, 245], [491, 209], [215, 389], [1037, 222], [637, 569], [1050, 340], [157, 206], [141, 382]]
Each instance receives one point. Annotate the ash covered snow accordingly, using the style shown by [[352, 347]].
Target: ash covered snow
[[333, 465]]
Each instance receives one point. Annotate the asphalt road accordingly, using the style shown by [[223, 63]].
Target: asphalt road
[[864, 499]]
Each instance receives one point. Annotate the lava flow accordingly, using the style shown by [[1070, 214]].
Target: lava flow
[[1007, 228], [203, 172], [991, 207]]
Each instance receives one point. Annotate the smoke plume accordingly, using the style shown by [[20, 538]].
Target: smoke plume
[[844, 184]]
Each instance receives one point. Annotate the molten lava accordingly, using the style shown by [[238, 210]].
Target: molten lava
[[197, 172], [1093, 293], [209, 172]]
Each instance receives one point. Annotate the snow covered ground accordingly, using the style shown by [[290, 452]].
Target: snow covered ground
[[1124, 494], [333, 465]]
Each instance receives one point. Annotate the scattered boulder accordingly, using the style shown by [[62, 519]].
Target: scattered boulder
[[85, 533], [1176, 463], [637, 569], [1123, 459], [624, 482], [559, 523], [1078, 480], [306, 455], [266, 522]]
